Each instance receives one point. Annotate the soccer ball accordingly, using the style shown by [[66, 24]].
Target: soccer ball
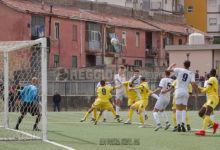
[[114, 41]]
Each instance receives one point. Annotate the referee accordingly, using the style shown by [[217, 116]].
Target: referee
[[29, 103]]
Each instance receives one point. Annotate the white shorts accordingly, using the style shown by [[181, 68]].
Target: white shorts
[[120, 95], [182, 99], [162, 103]]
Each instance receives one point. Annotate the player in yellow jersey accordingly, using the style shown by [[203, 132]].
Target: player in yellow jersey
[[174, 109], [131, 94], [212, 102], [142, 103], [102, 102]]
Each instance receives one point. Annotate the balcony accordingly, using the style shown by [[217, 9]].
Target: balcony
[[153, 52]]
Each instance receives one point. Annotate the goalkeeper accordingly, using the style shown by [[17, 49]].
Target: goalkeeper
[[29, 103]]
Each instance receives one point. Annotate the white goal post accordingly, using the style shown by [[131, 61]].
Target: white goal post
[[19, 62]]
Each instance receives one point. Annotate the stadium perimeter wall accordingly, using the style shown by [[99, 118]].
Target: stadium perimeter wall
[[78, 103]]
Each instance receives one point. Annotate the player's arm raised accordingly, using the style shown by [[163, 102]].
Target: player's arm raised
[[170, 68]]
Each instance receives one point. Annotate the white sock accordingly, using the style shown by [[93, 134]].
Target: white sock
[[105, 114], [212, 117], [164, 115], [156, 117], [92, 115], [145, 113], [184, 116], [117, 110], [178, 116], [155, 96]]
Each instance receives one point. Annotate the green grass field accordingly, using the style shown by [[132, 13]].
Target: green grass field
[[65, 128]]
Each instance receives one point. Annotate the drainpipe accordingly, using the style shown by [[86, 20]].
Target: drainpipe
[[81, 44], [51, 11], [103, 47]]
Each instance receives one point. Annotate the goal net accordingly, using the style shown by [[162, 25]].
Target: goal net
[[23, 90]]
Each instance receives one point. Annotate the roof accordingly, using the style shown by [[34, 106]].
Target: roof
[[115, 20], [174, 27], [193, 47], [78, 14]]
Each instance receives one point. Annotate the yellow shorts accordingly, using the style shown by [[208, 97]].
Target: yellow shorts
[[212, 101], [141, 105], [174, 105], [102, 105], [132, 101]]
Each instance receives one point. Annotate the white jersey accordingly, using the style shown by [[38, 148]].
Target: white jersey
[[165, 83], [136, 81], [119, 81], [184, 78]]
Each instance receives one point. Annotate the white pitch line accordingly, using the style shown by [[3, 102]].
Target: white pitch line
[[60, 145], [38, 138]]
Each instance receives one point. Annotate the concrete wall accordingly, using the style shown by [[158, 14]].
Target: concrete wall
[[201, 60], [76, 103], [197, 18]]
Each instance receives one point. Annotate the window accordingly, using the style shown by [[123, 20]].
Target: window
[[74, 61], [212, 21], [212, 3], [56, 60], [180, 42], [124, 38], [57, 30], [190, 9], [93, 32], [138, 63], [74, 32], [123, 61], [94, 36], [137, 39]]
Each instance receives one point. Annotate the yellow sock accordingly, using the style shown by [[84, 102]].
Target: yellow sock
[[211, 122], [130, 113], [113, 111], [87, 114], [98, 117], [174, 119], [187, 118], [95, 112], [205, 122], [141, 118]]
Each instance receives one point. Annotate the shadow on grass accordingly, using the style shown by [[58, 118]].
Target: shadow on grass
[[80, 141]]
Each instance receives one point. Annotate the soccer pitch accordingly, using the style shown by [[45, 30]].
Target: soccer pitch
[[65, 128]]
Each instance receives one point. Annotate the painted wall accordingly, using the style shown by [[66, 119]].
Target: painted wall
[[203, 65], [197, 18], [14, 28], [65, 46], [131, 52]]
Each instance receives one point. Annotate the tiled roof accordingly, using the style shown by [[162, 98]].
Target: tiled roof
[[74, 13], [174, 27], [115, 20]]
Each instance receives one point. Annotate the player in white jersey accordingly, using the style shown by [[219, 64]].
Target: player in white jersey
[[184, 78], [163, 101], [120, 93]]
